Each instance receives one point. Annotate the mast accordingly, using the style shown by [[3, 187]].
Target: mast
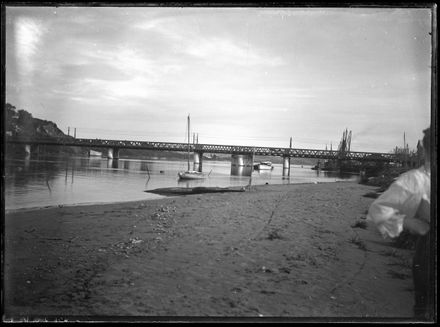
[[188, 140]]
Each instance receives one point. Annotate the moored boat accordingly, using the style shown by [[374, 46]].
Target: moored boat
[[190, 174], [93, 153], [264, 165]]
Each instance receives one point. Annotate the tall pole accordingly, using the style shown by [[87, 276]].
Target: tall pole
[[404, 142], [404, 150], [290, 146], [188, 139]]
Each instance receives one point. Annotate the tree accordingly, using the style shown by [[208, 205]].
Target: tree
[[10, 118]]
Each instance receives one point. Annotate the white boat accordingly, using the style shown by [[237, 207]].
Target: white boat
[[264, 165], [190, 174], [94, 153]]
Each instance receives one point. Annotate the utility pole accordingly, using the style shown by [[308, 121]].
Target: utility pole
[[404, 142]]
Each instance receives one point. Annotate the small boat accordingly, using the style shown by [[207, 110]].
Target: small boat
[[190, 174], [264, 165], [93, 153]]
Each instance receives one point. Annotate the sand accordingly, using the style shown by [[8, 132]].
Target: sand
[[279, 251]]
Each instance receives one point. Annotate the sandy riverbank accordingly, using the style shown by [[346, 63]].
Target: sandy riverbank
[[287, 251]]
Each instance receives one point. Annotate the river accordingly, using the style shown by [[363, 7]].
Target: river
[[50, 181]]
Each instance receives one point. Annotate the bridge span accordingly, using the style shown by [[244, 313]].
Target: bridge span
[[211, 148], [241, 155]]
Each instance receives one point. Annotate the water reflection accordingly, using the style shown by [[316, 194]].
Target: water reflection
[[241, 170], [197, 167], [91, 162], [27, 162], [66, 180], [144, 166], [337, 174], [190, 183]]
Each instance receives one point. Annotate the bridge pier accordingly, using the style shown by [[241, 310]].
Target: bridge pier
[[242, 164], [286, 162], [112, 163], [286, 166], [113, 153], [27, 150], [242, 160], [198, 160]]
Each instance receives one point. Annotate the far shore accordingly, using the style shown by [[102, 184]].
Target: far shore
[[290, 251]]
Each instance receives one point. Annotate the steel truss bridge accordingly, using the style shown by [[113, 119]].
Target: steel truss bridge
[[210, 148]]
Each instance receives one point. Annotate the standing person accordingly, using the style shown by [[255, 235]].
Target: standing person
[[406, 205]]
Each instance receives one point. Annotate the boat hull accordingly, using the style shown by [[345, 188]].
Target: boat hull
[[93, 153], [263, 166], [191, 175]]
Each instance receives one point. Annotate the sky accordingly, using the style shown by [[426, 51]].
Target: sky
[[245, 75]]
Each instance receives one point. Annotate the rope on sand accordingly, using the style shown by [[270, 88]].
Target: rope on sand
[[271, 216], [357, 272]]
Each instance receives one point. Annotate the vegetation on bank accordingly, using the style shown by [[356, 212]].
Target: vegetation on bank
[[384, 177], [21, 124]]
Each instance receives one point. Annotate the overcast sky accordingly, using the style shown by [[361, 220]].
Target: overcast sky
[[247, 76]]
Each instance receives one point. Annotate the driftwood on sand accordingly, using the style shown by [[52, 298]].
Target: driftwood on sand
[[194, 190]]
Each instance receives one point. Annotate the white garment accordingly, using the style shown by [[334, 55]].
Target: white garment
[[408, 197]]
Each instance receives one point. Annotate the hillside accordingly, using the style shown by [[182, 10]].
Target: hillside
[[20, 123]]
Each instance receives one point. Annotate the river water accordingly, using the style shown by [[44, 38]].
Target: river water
[[51, 181]]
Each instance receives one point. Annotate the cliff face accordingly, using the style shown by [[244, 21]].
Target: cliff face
[[47, 129], [21, 124]]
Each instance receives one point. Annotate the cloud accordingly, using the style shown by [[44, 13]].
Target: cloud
[[220, 51], [28, 35], [192, 36]]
